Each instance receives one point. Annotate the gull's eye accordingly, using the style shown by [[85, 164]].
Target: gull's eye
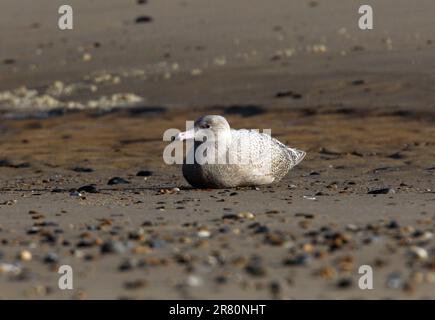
[[207, 126]]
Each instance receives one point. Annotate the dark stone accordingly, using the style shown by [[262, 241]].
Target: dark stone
[[381, 191], [344, 283], [85, 243], [144, 173], [82, 169], [299, 260], [144, 19], [255, 267], [224, 229], [358, 82], [156, 243], [275, 288], [88, 188], [126, 265], [51, 258], [117, 180], [46, 224], [305, 215], [288, 94], [394, 280], [230, 217], [221, 279], [392, 225], [386, 169], [113, 247], [5, 163], [135, 284], [261, 229], [396, 156], [33, 230]]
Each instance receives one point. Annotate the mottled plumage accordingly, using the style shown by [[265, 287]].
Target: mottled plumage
[[257, 158]]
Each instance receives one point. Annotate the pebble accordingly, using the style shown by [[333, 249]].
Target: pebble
[[344, 283], [381, 191], [82, 169], [318, 48], [51, 257], [25, 255], [75, 194], [144, 173], [246, 215], [327, 272], [289, 94], [299, 260], [194, 281], [135, 284], [196, 72], [255, 267], [393, 225], [230, 217], [275, 239], [352, 227], [9, 61], [8, 202], [91, 188], [113, 246], [394, 280], [117, 180], [169, 191], [275, 289], [418, 252], [260, 228], [305, 215], [10, 268], [87, 57], [127, 265], [144, 19]]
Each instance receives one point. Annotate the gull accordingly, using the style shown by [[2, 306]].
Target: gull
[[222, 157]]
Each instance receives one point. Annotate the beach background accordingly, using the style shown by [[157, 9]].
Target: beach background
[[81, 107]]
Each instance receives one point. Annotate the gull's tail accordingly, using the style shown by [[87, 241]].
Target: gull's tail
[[296, 155]]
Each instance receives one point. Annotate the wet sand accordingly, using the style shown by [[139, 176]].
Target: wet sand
[[311, 231], [360, 104]]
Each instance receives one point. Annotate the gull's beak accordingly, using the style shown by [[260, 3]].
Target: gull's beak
[[186, 135]]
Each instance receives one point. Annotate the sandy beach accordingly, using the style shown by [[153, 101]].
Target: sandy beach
[[83, 182]]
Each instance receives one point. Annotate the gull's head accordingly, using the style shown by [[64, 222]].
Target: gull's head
[[216, 124], [211, 126]]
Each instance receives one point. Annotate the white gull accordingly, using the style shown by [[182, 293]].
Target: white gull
[[240, 157]]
